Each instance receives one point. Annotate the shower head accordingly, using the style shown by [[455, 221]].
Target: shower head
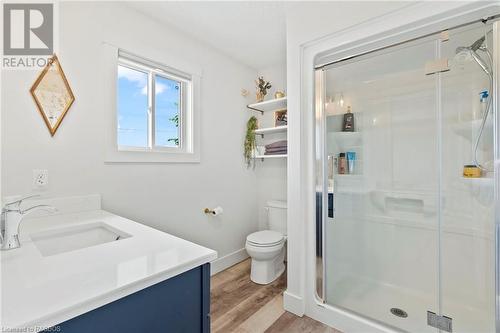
[[474, 46], [477, 44], [465, 53]]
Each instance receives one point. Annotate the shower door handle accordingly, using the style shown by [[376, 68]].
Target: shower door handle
[[331, 207]]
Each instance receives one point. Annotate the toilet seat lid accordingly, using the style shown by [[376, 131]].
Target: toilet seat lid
[[265, 237]]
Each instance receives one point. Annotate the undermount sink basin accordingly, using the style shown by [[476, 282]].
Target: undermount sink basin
[[62, 240]]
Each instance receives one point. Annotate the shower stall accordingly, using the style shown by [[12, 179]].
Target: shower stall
[[404, 237]]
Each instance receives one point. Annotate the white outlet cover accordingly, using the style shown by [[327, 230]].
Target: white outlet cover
[[40, 178]]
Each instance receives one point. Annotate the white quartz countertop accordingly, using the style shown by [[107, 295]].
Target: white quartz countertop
[[38, 292]]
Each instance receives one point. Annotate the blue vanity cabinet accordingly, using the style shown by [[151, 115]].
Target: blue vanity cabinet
[[180, 304]]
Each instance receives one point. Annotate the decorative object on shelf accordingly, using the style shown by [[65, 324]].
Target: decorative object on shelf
[[262, 88], [279, 94], [348, 124], [52, 94], [280, 118], [249, 145]]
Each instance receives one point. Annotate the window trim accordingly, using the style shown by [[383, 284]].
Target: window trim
[[113, 154]]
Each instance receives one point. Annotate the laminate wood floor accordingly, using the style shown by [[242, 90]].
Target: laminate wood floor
[[239, 305]]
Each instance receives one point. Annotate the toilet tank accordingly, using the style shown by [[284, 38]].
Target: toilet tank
[[276, 215]]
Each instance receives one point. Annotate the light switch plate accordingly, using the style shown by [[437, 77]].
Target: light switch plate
[[40, 178]]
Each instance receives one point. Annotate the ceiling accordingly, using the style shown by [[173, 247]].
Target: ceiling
[[253, 33]]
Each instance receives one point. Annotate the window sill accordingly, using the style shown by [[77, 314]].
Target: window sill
[[123, 156]]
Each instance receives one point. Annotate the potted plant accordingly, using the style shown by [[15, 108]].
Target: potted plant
[[262, 88], [249, 145]]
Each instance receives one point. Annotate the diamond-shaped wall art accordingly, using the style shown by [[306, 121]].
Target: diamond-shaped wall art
[[52, 94]]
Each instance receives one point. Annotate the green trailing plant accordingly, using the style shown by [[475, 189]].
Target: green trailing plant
[[250, 140]]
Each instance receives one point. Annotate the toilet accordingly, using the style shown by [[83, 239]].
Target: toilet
[[267, 247]]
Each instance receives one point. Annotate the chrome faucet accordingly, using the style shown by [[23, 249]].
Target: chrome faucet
[[12, 215]]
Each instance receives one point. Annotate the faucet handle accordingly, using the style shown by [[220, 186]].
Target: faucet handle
[[19, 201]]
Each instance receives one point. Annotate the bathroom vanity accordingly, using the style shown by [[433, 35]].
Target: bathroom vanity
[[87, 270]]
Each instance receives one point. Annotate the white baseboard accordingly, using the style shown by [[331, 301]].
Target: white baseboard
[[227, 261], [293, 303]]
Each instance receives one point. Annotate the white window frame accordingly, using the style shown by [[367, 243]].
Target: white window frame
[[189, 141], [154, 70]]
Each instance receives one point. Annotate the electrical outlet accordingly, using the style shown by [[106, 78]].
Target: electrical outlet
[[40, 178]]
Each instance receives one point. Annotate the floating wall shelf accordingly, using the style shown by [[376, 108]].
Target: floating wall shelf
[[271, 130], [263, 157], [277, 104]]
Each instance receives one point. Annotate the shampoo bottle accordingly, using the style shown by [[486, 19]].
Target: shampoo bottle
[[348, 124], [342, 167]]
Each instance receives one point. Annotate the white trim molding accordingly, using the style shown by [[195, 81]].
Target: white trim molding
[[231, 259], [293, 303]]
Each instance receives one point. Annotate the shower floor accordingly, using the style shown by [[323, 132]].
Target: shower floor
[[374, 300]]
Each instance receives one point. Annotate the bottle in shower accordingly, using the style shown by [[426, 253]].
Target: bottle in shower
[[342, 167], [351, 157], [348, 124]]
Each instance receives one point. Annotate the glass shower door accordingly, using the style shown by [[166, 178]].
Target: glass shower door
[[467, 213], [401, 233], [380, 247]]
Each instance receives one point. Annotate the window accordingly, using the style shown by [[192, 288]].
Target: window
[[154, 105]]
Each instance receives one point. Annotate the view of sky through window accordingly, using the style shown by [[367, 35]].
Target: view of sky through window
[[133, 109], [167, 104]]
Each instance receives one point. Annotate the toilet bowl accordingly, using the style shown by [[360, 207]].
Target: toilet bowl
[[267, 247], [267, 250]]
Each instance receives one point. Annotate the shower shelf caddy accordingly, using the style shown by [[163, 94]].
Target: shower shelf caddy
[[272, 105], [342, 142]]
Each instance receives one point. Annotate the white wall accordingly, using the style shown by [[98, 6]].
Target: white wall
[[169, 197], [271, 173]]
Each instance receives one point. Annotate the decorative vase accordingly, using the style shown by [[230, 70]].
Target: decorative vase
[[259, 96], [279, 94]]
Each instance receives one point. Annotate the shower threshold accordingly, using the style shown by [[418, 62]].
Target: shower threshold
[[375, 300]]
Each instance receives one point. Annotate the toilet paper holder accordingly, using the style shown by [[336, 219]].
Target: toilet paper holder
[[215, 211]]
